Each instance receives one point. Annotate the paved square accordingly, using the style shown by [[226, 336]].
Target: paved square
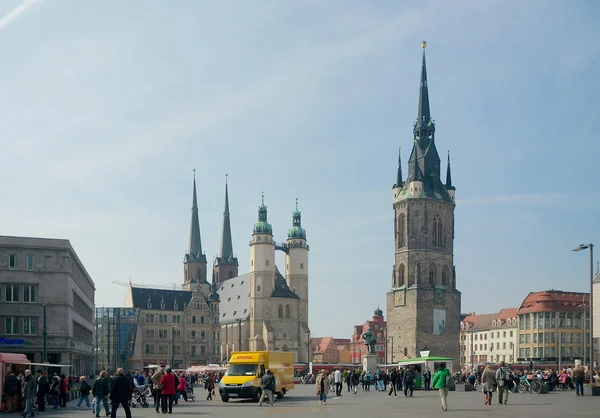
[[302, 401]]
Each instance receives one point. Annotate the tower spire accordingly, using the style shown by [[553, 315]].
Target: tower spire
[[424, 115], [226, 241], [195, 247], [449, 175], [399, 174]]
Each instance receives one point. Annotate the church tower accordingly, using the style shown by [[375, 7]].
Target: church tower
[[194, 263], [423, 304], [262, 280], [296, 276], [226, 264]]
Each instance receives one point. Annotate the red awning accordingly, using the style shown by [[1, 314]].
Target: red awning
[[14, 358]]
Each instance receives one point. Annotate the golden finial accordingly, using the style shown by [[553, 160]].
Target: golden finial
[[423, 44]]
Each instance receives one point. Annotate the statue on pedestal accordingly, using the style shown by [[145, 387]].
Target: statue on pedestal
[[370, 341]]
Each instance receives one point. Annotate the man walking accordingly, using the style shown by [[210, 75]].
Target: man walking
[[408, 382], [100, 392], [156, 377], [393, 377], [337, 377], [427, 378], [268, 386], [503, 378], [440, 382], [578, 377], [120, 393], [43, 388], [30, 394]]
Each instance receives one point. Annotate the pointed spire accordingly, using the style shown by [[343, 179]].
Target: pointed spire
[[399, 174], [424, 115], [195, 247], [226, 241], [449, 175]]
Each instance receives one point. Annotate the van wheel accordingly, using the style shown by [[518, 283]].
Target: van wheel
[[257, 395], [225, 398]]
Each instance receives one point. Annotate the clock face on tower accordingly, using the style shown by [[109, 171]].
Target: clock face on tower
[[399, 299], [439, 297]]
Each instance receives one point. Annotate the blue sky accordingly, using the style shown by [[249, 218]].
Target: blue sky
[[108, 106]]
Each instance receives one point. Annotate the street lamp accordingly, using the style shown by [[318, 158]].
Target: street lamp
[[591, 248], [173, 347]]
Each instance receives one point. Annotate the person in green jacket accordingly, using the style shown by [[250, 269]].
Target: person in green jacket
[[439, 382]]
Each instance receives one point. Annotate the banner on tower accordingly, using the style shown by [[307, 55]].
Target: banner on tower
[[439, 321]]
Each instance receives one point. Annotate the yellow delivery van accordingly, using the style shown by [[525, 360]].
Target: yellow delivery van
[[245, 369]]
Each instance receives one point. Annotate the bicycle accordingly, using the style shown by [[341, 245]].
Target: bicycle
[[526, 386]]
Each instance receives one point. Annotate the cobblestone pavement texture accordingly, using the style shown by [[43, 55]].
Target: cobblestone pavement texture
[[302, 401]]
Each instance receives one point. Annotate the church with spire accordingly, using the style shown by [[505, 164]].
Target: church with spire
[[423, 303]]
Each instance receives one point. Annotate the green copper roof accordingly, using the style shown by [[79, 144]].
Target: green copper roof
[[297, 231], [262, 226]]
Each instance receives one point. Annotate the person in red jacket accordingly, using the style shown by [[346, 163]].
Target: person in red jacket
[[64, 388], [182, 387], [168, 391]]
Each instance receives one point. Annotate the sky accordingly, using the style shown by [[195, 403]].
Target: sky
[[107, 108]]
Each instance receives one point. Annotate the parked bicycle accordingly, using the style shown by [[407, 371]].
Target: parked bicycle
[[534, 386]]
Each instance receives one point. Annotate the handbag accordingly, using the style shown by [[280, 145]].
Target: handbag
[[318, 391]]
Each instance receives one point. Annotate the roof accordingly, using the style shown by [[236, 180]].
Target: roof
[[488, 321], [235, 299], [173, 300], [479, 322], [554, 301], [281, 289]]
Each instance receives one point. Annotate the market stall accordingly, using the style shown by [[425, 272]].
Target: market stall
[[421, 364]]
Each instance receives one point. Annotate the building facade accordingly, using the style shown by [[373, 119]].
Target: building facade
[[488, 338], [329, 350], [38, 272], [115, 338], [378, 327], [423, 304], [553, 323]]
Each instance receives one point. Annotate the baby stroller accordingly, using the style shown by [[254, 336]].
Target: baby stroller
[[189, 392], [139, 397]]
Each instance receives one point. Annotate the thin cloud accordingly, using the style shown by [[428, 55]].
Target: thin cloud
[[17, 12], [551, 199]]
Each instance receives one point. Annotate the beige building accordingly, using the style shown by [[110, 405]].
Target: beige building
[[35, 272], [596, 313]]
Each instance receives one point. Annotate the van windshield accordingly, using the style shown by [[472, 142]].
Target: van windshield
[[241, 370]]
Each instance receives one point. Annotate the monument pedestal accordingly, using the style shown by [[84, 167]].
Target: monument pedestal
[[370, 363]]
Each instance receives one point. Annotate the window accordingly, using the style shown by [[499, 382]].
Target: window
[[149, 333], [203, 349], [503, 334], [280, 311], [527, 322], [193, 335], [194, 319], [163, 349], [522, 352], [437, 231], [162, 306], [202, 335], [29, 293], [193, 351], [401, 230], [11, 261], [521, 338], [522, 321], [12, 292], [149, 349], [401, 274], [445, 275], [511, 334], [197, 304], [287, 311], [202, 319], [29, 262], [535, 338], [11, 326], [528, 338], [178, 349], [149, 305], [162, 333], [504, 346]]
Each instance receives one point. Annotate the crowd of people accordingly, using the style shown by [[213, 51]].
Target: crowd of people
[[28, 393]]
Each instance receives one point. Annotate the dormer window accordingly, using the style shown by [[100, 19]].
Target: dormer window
[[149, 305], [175, 306], [162, 306]]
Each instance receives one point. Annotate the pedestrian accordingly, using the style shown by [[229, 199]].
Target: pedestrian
[[182, 387], [100, 392], [30, 394], [504, 378], [578, 376], [427, 378], [55, 391], [64, 388], [43, 388], [322, 384], [120, 393], [84, 392], [210, 387], [168, 391], [393, 376], [337, 378], [156, 378], [348, 380], [268, 387], [440, 382], [408, 382], [355, 380], [488, 380]]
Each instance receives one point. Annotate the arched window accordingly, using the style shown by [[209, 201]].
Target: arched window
[[401, 230], [445, 276], [280, 311], [432, 274], [194, 319], [414, 278], [438, 236], [202, 320], [287, 311], [401, 275], [415, 222]]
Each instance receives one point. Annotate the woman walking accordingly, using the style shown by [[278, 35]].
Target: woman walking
[[182, 387], [488, 379], [210, 387], [323, 387], [84, 392], [168, 391]]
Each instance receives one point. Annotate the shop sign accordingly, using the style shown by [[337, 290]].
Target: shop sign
[[13, 342]]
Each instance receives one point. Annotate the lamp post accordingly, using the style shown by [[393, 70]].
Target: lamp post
[[591, 356], [390, 339], [173, 347]]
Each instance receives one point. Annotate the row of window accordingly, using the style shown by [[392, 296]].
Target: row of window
[[165, 349], [163, 333], [483, 358], [399, 278], [550, 337], [541, 352], [438, 239], [483, 336], [13, 293], [20, 326], [175, 319], [12, 261], [287, 311], [484, 347], [552, 320]]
